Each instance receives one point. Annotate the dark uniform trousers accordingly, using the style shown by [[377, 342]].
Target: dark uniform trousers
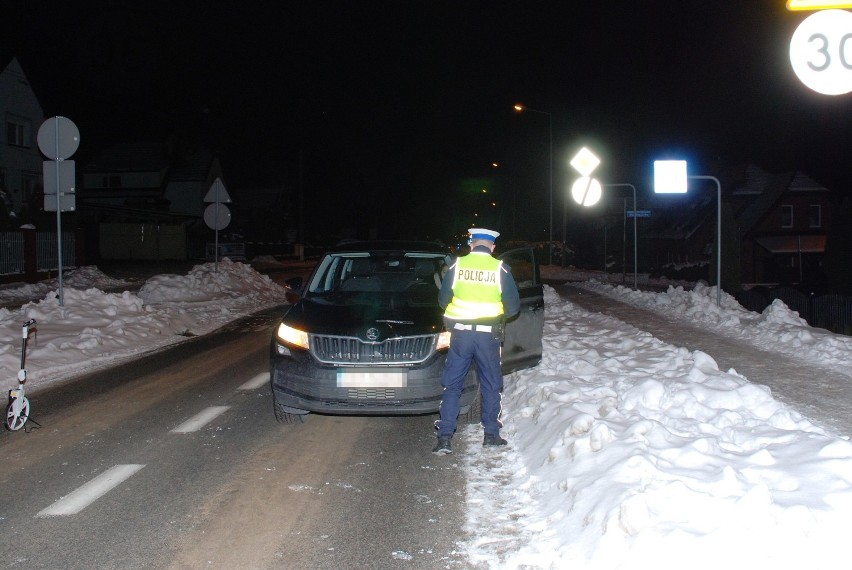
[[468, 346]]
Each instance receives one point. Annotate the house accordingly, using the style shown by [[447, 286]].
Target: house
[[779, 225], [20, 159], [782, 223], [147, 199]]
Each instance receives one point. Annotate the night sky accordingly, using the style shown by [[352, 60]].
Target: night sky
[[398, 109]]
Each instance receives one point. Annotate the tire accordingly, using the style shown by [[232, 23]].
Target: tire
[[282, 416], [14, 422], [474, 415]]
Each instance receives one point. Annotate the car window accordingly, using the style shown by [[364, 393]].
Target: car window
[[521, 262], [409, 277]]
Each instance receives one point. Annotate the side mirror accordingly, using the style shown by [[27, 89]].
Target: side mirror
[[293, 289]]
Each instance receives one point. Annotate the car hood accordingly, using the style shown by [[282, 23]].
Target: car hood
[[368, 321]]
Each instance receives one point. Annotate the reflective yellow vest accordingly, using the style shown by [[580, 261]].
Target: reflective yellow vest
[[476, 288]]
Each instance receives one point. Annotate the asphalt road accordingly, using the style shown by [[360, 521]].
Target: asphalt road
[[116, 477]]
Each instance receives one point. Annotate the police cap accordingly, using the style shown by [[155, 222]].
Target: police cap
[[481, 233]]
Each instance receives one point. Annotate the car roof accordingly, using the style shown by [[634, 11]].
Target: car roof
[[390, 245]]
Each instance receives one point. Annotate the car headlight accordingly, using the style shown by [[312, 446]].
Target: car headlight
[[443, 341], [292, 336]]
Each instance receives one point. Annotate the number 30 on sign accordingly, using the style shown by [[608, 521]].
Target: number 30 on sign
[[821, 52]]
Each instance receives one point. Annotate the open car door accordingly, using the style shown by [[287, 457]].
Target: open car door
[[522, 345]]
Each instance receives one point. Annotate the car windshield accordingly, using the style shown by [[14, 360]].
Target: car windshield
[[379, 277]]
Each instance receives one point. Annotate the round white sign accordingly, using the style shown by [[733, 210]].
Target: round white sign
[[821, 52], [58, 138], [217, 216], [586, 191]]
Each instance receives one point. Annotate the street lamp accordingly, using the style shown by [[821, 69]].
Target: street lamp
[[521, 108], [670, 178]]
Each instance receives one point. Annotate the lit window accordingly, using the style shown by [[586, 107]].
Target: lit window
[[815, 216], [786, 216]]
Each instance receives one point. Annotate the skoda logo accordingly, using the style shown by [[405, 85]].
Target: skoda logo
[[372, 333]]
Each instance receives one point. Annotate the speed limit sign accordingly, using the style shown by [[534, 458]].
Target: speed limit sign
[[821, 52]]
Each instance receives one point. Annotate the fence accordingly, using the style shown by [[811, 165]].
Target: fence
[[11, 253], [832, 312], [27, 255], [233, 251]]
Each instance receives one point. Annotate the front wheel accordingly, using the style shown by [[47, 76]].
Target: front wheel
[[17, 413], [282, 416]]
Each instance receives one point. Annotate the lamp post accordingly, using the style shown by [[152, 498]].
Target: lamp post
[[670, 178], [521, 108]]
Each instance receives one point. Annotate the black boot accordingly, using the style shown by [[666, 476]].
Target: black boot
[[493, 440], [443, 447]]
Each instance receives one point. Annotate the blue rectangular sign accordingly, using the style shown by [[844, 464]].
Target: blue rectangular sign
[[638, 213]]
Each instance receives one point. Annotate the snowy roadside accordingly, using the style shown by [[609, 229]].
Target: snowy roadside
[[777, 328], [628, 452], [93, 329]]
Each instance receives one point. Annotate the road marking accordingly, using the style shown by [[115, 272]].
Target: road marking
[[83, 496], [256, 382], [200, 419]]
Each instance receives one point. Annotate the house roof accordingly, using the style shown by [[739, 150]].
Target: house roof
[[768, 189], [130, 157], [757, 190], [187, 164], [192, 165]]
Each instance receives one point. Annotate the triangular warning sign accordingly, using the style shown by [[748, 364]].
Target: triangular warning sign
[[793, 5], [217, 193]]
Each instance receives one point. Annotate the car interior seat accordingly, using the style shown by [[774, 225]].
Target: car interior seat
[[361, 277], [424, 271]]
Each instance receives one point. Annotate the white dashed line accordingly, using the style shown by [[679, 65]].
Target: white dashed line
[[84, 496], [256, 382], [200, 419]]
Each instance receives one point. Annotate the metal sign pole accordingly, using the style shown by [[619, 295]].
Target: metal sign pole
[[58, 215]]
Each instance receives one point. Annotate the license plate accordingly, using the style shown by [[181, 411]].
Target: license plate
[[372, 379]]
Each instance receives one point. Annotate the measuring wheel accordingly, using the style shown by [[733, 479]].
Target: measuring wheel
[[17, 412]]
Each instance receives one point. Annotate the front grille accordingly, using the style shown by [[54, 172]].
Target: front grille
[[352, 350], [371, 393]]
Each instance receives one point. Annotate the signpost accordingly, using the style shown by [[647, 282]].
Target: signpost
[[217, 216], [58, 139], [587, 191], [670, 177]]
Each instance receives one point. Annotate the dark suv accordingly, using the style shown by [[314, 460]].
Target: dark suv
[[365, 334]]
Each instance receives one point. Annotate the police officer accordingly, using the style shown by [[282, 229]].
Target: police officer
[[477, 295]]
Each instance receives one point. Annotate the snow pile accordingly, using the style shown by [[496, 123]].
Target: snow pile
[[627, 452], [93, 328], [777, 328]]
